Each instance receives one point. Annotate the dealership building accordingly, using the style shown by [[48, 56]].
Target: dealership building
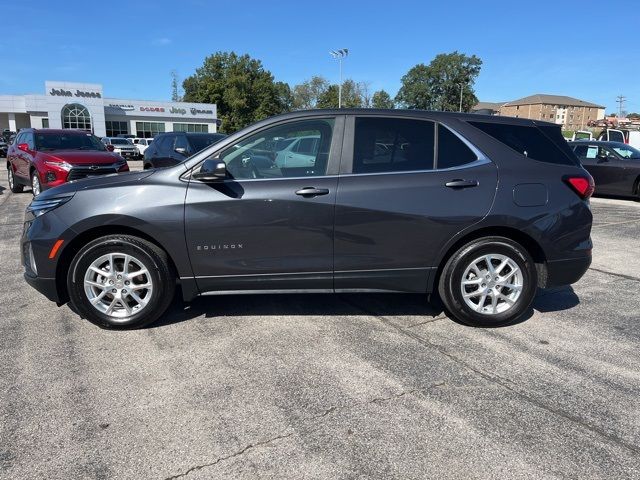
[[83, 106]]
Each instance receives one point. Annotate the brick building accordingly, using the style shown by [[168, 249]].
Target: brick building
[[569, 112]]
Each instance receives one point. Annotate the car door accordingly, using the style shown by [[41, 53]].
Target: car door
[[25, 157], [605, 170], [266, 227], [624, 169], [14, 158], [401, 198], [162, 153]]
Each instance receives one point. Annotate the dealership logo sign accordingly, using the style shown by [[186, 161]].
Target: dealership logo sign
[[152, 109], [121, 106], [60, 92], [195, 111], [181, 111]]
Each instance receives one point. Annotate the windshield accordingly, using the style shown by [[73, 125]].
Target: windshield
[[627, 152], [200, 142], [120, 141], [62, 141]]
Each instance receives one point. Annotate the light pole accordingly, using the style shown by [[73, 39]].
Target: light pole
[[461, 87], [340, 54]]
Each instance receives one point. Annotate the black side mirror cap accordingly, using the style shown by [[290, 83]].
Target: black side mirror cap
[[212, 170]]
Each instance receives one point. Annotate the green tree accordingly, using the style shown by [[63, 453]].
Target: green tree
[[307, 94], [634, 116], [437, 86], [285, 95], [352, 96], [381, 99], [242, 89]]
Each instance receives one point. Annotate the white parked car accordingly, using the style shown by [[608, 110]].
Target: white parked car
[[299, 152], [142, 144], [121, 146]]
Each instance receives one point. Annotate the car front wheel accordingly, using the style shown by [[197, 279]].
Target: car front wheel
[[35, 184], [13, 185], [488, 282], [121, 281]]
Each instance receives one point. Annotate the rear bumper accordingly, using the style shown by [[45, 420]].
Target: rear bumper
[[566, 272], [46, 286]]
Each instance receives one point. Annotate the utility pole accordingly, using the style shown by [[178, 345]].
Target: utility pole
[[620, 99], [340, 54]]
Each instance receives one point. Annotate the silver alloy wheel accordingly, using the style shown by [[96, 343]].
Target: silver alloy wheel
[[35, 184], [118, 285], [10, 177], [491, 284]]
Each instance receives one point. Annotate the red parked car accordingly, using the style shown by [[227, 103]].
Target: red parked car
[[46, 158]]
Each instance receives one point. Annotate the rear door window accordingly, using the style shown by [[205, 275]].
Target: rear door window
[[393, 145], [616, 136], [544, 144]]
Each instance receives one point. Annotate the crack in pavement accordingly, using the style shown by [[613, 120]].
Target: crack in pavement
[[507, 384], [283, 435], [227, 457]]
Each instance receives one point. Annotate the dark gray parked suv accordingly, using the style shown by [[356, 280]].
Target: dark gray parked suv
[[481, 210]]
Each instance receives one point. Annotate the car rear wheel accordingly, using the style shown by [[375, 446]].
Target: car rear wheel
[[121, 281], [14, 186], [489, 282], [35, 184]]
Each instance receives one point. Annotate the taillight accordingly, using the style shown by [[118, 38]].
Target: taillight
[[582, 185]]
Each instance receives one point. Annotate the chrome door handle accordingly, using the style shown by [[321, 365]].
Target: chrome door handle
[[458, 183], [312, 191]]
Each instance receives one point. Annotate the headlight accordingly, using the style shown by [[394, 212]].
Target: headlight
[[40, 207], [63, 165]]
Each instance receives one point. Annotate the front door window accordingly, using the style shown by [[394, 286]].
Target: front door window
[[272, 153]]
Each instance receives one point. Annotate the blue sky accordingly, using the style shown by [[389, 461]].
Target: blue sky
[[585, 49]]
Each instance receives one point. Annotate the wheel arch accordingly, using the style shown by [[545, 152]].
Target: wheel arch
[[527, 242], [74, 246], [636, 186]]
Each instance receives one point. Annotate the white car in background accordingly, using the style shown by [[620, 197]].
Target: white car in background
[[299, 152], [142, 144]]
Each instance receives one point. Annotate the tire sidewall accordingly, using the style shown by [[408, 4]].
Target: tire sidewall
[[35, 176], [151, 261], [452, 295]]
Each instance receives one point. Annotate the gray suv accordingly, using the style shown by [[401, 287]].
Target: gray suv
[[478, 210]]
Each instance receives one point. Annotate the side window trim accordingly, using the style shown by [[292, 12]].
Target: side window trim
[[346, 164], [333, 163]]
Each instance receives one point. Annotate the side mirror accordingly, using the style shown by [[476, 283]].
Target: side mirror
[[212, 170], [181, 151], [24, 147], [110, 147]]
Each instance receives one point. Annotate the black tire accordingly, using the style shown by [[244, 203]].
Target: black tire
[[450, 284], [154, 259], [14, 186], [147, 166]]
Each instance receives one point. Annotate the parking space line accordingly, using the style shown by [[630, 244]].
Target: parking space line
[[506, 384], [621, 275], [616, 223]]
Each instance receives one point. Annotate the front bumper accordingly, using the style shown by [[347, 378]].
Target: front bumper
[[46, 286]]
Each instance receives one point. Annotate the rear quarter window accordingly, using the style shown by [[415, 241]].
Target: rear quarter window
[[541, 143]]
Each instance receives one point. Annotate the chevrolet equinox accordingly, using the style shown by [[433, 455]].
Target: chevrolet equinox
[[479, 210]]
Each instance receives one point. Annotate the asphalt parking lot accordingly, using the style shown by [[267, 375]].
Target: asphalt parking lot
[[326, 387]]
